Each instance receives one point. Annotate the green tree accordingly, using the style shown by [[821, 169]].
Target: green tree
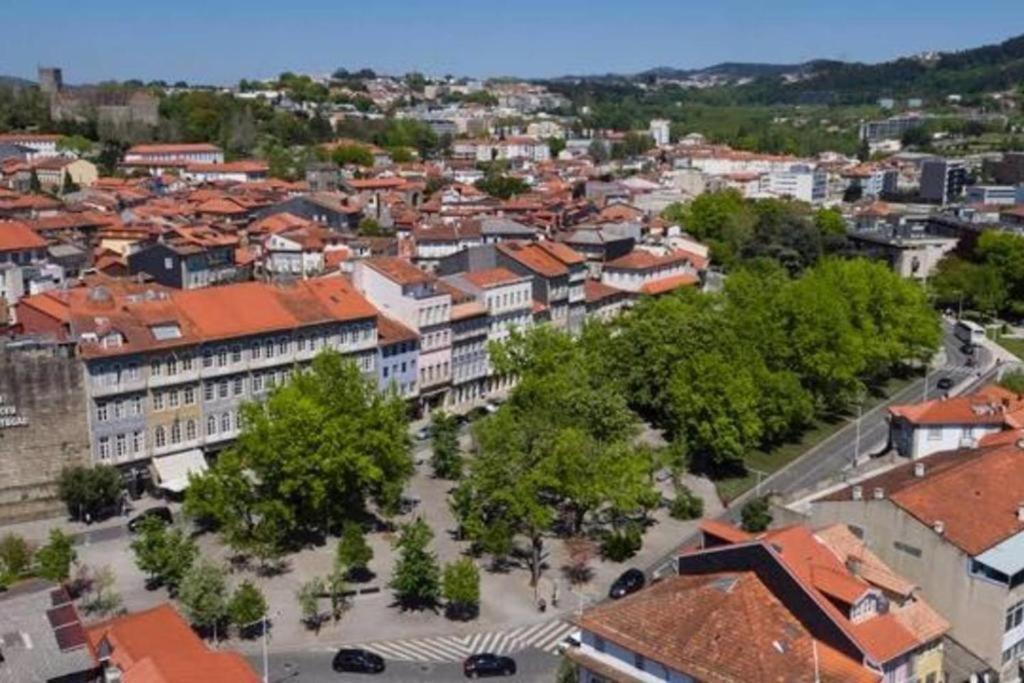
[[460, 585], [830, 221], [34, 186], [15, 558], [444, 434], [356, 155], [369, 227], [756, 515], [555, 146], [1013, 381], [416, 579], [54, 559], [88, 492], [353, 553], [203, 594], [246, 606], [164, 554], [598, 151], [502, 186], [686, 505], [308, 459], [79, 145], [68, 185], [308, 597]]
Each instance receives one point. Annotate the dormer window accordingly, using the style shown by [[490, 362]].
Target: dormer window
[[113, 340]]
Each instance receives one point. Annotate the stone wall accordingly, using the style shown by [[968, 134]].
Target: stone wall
[[42, 426]]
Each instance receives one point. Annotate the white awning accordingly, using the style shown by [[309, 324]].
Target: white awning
[[172, 470]]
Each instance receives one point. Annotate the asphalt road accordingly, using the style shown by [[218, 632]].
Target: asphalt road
[[534, 666]]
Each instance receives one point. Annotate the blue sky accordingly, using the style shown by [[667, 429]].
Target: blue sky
[[220, 41]]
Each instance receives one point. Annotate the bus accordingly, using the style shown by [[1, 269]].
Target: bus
[[968, 332]]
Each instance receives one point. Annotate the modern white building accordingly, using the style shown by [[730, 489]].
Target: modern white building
[[660, 131]]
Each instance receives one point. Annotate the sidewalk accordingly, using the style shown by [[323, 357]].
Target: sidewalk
[[37, 530]]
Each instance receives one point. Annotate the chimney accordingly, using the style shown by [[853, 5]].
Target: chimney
[[879, 493], [857, 492], [939, 527], [919, 469]]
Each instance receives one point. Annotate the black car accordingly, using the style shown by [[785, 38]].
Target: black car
[[945, 383], [358, 661], [163, 513], [967, 349], [484, 664], [630, 581]]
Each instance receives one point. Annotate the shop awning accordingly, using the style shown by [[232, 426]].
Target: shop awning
[[172, 470]]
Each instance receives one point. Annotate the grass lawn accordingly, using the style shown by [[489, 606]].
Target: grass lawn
[[1011, 344], [776, 458]]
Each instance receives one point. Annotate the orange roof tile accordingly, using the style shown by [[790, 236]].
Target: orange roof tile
[[669, 284], [16, 236], [399, 270], [492, 277]]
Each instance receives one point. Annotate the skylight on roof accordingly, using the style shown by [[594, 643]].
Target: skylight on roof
[[166, 331]]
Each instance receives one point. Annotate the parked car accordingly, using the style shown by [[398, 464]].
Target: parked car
[[486, 664], [630, 581], [163, 513], [967, 349], [358, 661], [422, 434], [945, 383]]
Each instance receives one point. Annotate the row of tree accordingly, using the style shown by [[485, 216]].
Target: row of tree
[[989, 280]]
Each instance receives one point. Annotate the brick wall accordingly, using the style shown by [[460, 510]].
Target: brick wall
[[42, 386]]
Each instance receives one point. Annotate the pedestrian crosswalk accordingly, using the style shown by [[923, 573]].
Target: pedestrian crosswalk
[[543, 636]]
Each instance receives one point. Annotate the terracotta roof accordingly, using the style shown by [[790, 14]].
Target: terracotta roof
[[16, 236], [398, 270], [642, 259], [534, 258], [722, 626], [157, 646], [390, 331], [492, 277], [240, 166], [173, 148], [375, 183], [225, 206], [991, 405], [668, 284], [595, 290], [562, 252]]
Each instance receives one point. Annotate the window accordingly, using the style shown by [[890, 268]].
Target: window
[[256, 350], [101, 412], [282, 346], [172, 398], [208, 391], [638, 661], [239, 386], [908, 549], [133, 371], [300, 343], [120, 445], [160, 437], [236, 354], [1014, 615], [222, 358], [137, 405], [222, 388], [384, 372], [176, 433], [599, 643], [257, 383], [186, 363], [156, 368], [269, 346], [207, 359], [935, 433], [225, 422], [189, 395], [190, 430], [211, 425], [172, 367], [104, 447], [158, 400], [117, 409], [138, 442]]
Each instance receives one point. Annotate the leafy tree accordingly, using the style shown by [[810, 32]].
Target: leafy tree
[[164, 554], [460, 585], [102, 598], [34, 186], [308, 459], [15, 558], [756, 515], [78, 145], [416, 579], [1013, 381], [918, 136], [830, 221], [686, 505], [555, 146], [89, 491], [357, 155], [54, 559], [246, 606], [444, 434], [598, 151], [353, 554], [308, 597], [501, 186], [203, 594], [337, 585], [369, 227], [402, 155]]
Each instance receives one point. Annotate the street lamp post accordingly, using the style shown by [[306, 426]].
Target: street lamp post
[[856, 440]]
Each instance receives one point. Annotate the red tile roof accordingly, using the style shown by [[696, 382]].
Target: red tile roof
[[173, 148], [390, 331], [157, 646], [533, 257], [641, 259], [595, 290], [562, 252], [669, 284], [398, 270], [492, 277], [991, 405], [16, 236]]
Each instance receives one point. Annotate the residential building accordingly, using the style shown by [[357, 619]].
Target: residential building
[[187, 258], [789, 605], [40, 144], [660, 131], [471, 371], [242, 171], [298, 252], [890, 129], [433, 243], [22, 253], [412, 297], [800, 182], [642, 271], [943, 180], [992, 194], [55, 172], [604, 302], [952, 523], [1008, 171], [158, 645], [43, 638], [949, 423], [166, 371], [331, 209], [398, 351], [175, 154]]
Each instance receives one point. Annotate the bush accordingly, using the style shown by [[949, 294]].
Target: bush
[[686, 505], [353, 554], [755, 515], [460, 585], [203, 594], [54, 559], [246, 607], [15, 558], [619, 546]]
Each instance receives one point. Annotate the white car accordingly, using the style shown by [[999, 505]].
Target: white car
[[570, 640]]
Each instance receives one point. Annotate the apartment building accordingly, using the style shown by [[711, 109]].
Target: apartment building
[[22, 255], [412, 297], [174, 154], [943, 180], [642, 271], [398, 351], [952, 523], [789, 605], [167, 371]]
